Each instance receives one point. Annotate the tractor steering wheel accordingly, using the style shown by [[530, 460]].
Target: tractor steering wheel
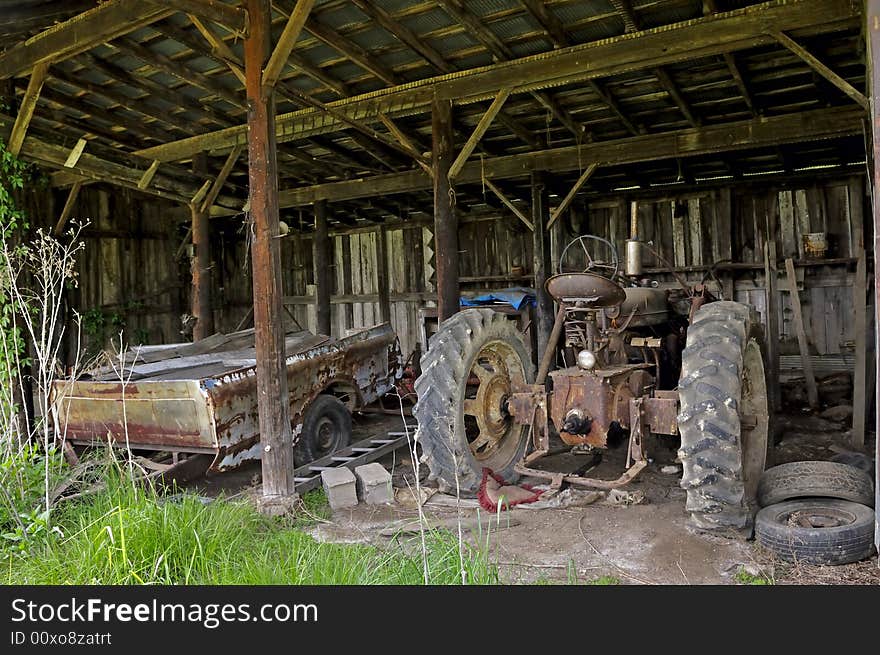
[[593, 263]]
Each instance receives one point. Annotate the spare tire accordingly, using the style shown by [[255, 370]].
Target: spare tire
[[815, 479], [817, 530]]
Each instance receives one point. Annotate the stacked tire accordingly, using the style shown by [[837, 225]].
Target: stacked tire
[[816, 513]]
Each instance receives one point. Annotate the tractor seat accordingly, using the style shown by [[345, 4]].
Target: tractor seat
[[594, 290]]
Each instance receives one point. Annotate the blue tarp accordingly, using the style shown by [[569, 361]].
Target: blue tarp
[[516, 297]]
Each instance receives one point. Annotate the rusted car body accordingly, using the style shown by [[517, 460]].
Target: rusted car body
[[207, 403]]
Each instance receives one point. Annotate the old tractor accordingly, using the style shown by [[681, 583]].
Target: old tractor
[[636, 360]]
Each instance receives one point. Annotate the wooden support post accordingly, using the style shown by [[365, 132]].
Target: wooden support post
[[201, 263], [68, 208], [771, 276], [272, 393], [569, 197], [346, 288], [221, 178], [872, 38], [445, 218], [544, 316], [321, 263], [26, 109], [479, 131], [509, 204], [857, 438], [286, 41], [822, 69], [803, 346], [382, 274]]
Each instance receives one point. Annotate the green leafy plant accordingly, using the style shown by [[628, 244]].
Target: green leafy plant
[[744, 577]]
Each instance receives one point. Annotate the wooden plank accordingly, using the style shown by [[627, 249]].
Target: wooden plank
[[787, 224], [321, 268], [68, 208], [704, 37], [802, 220], [26, 109], [295, 23], [509, 204], [678, 235], [382, 275], [405, 141], [748, 134], [803, 346], [695, 231], [480, 129], [445, 216], [860, 309], [569, 197], [771, 319], [84, 31], [221, 178], [75, 153], [822, 69]]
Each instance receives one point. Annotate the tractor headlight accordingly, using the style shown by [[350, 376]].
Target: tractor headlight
[[586, 360]]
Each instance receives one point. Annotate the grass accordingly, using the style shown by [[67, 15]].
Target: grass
[[744, 577], [127, 535], [605, 580]]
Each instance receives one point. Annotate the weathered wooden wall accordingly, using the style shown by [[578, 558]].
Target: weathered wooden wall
[[127, 276], [129, 270], [732, 225]]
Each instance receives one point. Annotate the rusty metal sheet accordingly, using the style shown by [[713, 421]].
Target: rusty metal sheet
[[661, 414]]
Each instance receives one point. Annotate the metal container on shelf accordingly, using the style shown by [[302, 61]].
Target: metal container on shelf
[[815, 245]]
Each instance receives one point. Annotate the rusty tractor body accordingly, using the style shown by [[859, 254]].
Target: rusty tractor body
[[627, 369]]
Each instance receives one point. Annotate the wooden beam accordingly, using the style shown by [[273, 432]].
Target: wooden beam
[[406, 35], [405, 140], [606, 97], [771, 284], [822, 69], [631, 22], [382, 280], [286, 42], [321, 258], [803, 345], [703, 37], [105, 22], [201, 262], [541, 265], [272, 393], [147, 177], [26, 109], [569, 197], [218, 47], [220, 180], [480, 129], [709, 139], [860, 290], [352, 50], [235, 19], [509, 204], [153, 88], [674, 92], [445, 217], [740, 82], [201, 193], [68, 208], [179, 70], [548, 21]]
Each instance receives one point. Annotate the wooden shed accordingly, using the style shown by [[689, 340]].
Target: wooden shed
[[346, 162]]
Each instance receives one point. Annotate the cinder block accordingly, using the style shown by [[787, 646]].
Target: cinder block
[[374, 484], [340, 487]]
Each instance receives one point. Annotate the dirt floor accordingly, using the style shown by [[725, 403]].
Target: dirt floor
[[639, 538]]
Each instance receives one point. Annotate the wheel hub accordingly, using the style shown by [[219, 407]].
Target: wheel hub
[[488, 421]]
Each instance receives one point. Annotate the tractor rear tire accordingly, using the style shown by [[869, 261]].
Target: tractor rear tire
[[475, 347], [722, 382]]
